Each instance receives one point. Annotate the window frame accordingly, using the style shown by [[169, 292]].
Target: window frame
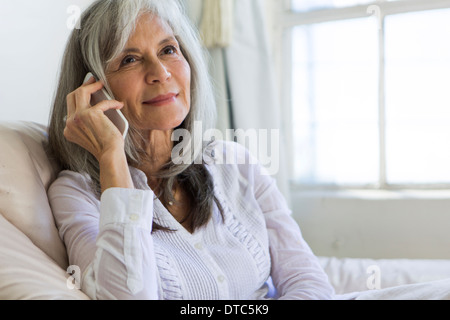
[[288, 19]]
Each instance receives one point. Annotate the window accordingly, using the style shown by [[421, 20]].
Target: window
[[369, 92]]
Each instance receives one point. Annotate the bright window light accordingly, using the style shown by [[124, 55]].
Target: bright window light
[[418, 97], [370, 99], [335, 103]]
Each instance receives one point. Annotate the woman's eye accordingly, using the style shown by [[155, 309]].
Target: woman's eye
[[128, 60], [170, 50]]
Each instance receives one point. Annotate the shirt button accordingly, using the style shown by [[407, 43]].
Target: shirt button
[[134, 217], [198, 246], [221, 279]]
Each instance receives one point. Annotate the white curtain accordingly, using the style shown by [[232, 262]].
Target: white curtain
[[242, 68], [209, 21]]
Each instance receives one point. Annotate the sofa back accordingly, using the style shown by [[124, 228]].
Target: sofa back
[[25, 175]]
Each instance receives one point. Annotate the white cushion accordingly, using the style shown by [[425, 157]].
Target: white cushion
[[33, 258], [27, 273], [25, 175]]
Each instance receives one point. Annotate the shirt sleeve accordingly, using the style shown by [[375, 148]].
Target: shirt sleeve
[[296, 271], [109, 241]]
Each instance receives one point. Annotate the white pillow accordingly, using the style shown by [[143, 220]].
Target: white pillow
[[25, 175], [27, 273]]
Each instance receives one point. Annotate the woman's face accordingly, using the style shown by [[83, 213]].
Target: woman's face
[[152, 77]]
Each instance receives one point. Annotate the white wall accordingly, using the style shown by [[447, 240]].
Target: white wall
[[33, 35], [375, 224]]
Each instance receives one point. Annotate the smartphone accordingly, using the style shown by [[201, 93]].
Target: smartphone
[[116, 116]]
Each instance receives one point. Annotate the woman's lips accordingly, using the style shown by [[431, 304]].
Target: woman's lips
[[162, 100]]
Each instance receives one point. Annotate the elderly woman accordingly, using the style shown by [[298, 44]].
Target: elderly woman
[[138, 224]]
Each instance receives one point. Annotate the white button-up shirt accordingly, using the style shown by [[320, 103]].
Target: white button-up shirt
[[255, 251]]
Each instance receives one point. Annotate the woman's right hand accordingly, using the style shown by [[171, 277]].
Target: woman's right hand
[[89, 127]]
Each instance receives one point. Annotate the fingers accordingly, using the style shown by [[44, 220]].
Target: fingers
[[87, 125], [71, 105], [80, 99], [108, 105], [84, 93]]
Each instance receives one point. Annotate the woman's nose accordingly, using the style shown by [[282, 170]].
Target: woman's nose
[[157, 73]]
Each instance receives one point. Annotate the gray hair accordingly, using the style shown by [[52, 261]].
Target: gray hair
[[105, 29]]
